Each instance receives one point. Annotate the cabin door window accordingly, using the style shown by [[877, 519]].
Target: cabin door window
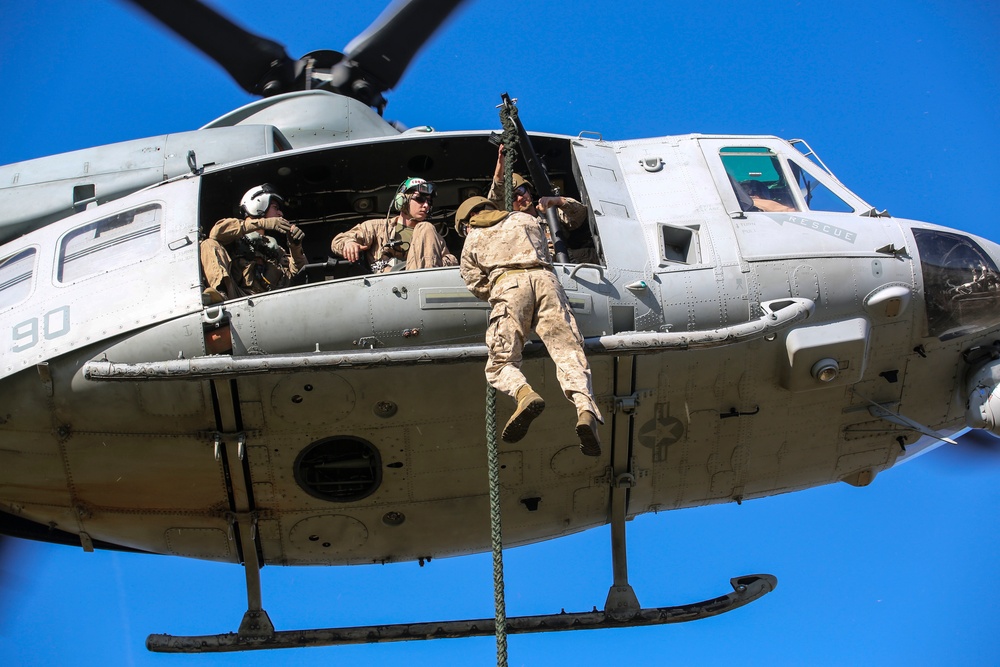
[[16, 273], [110, 243]]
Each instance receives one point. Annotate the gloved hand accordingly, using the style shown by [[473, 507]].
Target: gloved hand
[[275, 225], [295, 235]]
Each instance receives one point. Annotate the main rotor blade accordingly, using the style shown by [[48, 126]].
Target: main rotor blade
[[384, 50], [259, 65]]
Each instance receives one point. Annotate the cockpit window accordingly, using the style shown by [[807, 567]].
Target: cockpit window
[[817, 196], [961, 283], [110, 243], [15, 277], [757, 179]]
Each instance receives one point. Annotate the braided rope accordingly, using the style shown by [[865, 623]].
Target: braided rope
[[509, 140], [496, 532]]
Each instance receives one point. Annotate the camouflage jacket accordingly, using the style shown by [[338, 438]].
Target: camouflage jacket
[[516, 242]]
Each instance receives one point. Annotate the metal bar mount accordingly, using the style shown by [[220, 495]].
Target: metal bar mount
[[777, 315]]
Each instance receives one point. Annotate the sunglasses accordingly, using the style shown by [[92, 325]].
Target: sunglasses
[[422, 199], [521, 191]]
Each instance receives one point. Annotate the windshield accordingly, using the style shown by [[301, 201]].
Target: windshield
[[817, 196]]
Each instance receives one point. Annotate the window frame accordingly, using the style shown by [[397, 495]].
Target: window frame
[[127, 259], [32, 278]]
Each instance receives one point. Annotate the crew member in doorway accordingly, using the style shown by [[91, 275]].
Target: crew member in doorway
[[570, 213], [506, 261], [407, 240], [239, 258]]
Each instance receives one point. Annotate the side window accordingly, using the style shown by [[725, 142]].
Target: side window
[[757, 178], [110, 243], [817, 196], [678, 244], [16, 272]]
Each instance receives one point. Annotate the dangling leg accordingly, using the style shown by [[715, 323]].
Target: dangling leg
[[557, 328], [215, 265], [505, 335]]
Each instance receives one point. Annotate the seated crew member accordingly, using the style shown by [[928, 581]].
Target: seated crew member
[[570, 213], [764, 199], [506, 261], [240, 260], [408, 240]]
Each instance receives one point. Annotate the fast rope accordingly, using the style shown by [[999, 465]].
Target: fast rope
[[496, 532], [509, 140]]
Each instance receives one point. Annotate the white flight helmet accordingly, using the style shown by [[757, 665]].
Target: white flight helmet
[[257, 199]]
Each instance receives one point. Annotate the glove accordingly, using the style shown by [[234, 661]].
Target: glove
[[275, 225], [295, 235]]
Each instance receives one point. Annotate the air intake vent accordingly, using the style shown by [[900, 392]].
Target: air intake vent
[[340, 469]]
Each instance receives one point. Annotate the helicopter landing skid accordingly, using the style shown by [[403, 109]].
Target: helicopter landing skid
[[746, 589]]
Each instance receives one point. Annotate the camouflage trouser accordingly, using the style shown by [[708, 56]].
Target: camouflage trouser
[[219, 269], [536, 300], [215, 264]]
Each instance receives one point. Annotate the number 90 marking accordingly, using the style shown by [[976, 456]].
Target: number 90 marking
[[52, 324]]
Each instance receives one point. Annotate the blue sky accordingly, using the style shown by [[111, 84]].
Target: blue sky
[[900, 99]]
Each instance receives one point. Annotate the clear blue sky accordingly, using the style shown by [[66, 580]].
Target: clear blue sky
[[899, 98]]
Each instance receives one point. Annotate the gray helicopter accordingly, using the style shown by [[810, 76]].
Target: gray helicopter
[[845, 312]]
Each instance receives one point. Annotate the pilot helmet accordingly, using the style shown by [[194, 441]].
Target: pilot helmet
[[257, 200], [411, 186], [468, 208]]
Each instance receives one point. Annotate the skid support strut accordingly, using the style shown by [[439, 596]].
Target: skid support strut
[[622, 603], [231, 450]]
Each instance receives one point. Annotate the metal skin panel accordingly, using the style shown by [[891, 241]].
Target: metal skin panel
[[764, 236], [310, 118], [41, 191], [136, 294]]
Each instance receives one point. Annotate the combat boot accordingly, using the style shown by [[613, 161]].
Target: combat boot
[[529, 406], [586, 430]]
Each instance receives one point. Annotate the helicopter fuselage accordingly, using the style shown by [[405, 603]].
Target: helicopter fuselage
[[754, 328]]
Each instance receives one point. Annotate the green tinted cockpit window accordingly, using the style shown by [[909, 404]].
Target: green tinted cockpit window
[[751, 164], [757, 178]]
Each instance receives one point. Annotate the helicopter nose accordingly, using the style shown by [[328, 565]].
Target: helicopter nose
[[983, 391]]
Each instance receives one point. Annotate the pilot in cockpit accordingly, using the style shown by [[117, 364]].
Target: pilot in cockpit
[[767, 199], [408, 240], [240, 259]]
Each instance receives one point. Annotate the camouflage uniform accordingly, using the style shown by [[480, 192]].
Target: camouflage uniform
[[239, 275], [427, 247], [522, 301], [570, 215]]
